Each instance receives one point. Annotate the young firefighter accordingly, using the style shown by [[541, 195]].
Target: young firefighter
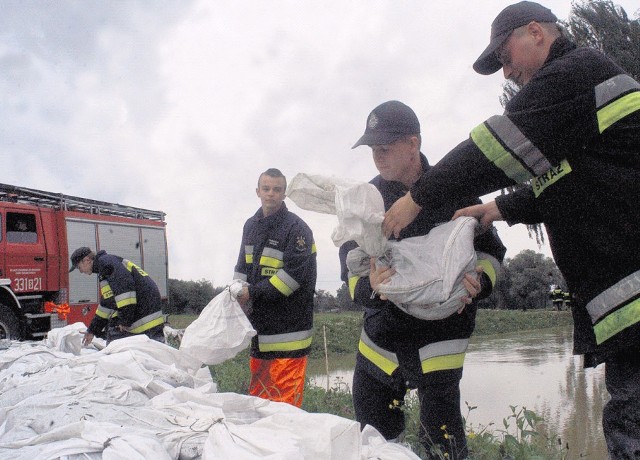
[[278, 260], [398, 351], [573, 132]]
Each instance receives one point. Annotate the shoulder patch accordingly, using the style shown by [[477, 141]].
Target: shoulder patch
[[301, 244]]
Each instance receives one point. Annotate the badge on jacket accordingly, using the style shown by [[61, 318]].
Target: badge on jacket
[[301, 244]]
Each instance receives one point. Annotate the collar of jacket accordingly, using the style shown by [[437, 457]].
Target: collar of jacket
[[560, 47], [259, 215], [96, 265]]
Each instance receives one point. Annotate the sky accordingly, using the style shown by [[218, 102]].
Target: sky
[[179, 106]]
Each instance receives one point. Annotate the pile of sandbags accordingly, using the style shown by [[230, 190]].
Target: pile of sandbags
[[140, 399]]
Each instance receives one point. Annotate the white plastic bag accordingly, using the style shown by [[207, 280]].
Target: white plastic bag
[[220, 332], [358, 206], [430, 269]]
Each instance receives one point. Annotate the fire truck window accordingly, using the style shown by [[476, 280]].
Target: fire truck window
[[21, 228]]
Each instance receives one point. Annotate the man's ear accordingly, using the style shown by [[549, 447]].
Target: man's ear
[[536, 31], [415, 144]]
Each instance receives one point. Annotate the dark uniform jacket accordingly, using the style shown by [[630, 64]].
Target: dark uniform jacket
[[278, 260], [573, 133], [393, 341], [129, 297]]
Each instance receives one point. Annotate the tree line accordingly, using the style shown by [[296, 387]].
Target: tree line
[[524, 284]]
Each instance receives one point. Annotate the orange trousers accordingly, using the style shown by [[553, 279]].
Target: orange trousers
[[280, 379]]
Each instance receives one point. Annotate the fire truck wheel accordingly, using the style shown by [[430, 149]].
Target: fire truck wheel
[[9, 325]]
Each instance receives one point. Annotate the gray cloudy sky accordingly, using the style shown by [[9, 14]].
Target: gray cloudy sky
[[179, 105]]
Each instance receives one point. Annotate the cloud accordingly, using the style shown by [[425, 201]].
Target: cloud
[[179, 106]]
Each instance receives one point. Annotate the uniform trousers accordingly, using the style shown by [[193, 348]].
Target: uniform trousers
[[279, 379], [621, 415], [380, 405]]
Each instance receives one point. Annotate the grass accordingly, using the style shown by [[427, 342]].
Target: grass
[[521, 435]]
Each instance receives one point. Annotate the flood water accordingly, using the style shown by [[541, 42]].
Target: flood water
[[535, 370]]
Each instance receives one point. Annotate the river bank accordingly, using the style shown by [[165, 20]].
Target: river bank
[[342, 330]]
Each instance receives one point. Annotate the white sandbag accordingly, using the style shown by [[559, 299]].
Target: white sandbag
[[220, 332], [60, 405], [62, 339], [375, 446], [430, 269], [316, 192], [358, 206], [287, 435]]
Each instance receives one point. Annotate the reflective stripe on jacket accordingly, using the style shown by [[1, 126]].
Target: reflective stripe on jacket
[[278, 259]]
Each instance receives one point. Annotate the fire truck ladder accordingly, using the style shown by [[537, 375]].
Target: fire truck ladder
[[15, 194]]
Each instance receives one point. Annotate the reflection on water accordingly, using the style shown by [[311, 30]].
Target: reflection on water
[[531, 369]]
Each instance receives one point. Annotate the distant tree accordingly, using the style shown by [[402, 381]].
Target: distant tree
[[605, 26], [324, 301], [190, 296], [528, 275], [344, 299]]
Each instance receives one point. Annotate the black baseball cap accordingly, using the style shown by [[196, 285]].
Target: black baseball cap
[[389, 122], [78, 255], [509, 19]]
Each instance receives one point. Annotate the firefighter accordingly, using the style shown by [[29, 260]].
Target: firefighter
[[557, 297], [398, 351], [573, 131], [277, 259], [130, 302], [566, 297]]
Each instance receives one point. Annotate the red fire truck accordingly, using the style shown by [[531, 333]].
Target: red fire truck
[[39, 231]]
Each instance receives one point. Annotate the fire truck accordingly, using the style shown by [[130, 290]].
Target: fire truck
[[40, 230]]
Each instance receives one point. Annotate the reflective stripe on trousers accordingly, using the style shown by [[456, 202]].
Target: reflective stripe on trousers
[[437, 356], [291, 341]]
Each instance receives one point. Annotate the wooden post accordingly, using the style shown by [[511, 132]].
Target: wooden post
[[326, 354]]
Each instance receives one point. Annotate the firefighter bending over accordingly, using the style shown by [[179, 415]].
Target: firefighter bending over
[[130, 301]]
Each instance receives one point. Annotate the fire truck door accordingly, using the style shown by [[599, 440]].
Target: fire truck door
[[24, 251]]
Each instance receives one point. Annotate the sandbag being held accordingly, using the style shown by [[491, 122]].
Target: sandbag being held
[[358, 205], [221, 330], [430, 269]]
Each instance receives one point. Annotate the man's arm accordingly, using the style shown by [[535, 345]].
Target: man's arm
[[519, 207], [462, 173], [485, 213], [122, 291], [551, 118], [298, 270]]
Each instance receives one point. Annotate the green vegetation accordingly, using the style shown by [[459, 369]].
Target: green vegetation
[[343, 329], [524, 285]]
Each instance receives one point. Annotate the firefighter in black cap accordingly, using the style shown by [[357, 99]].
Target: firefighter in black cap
[[130, 301], [573, 132], [398, 351]]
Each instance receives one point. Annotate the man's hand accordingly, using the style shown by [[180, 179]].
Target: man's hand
[[378, 276], [87, 339], [472, 285], [399, 216], [243, 299], [486, 213]]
